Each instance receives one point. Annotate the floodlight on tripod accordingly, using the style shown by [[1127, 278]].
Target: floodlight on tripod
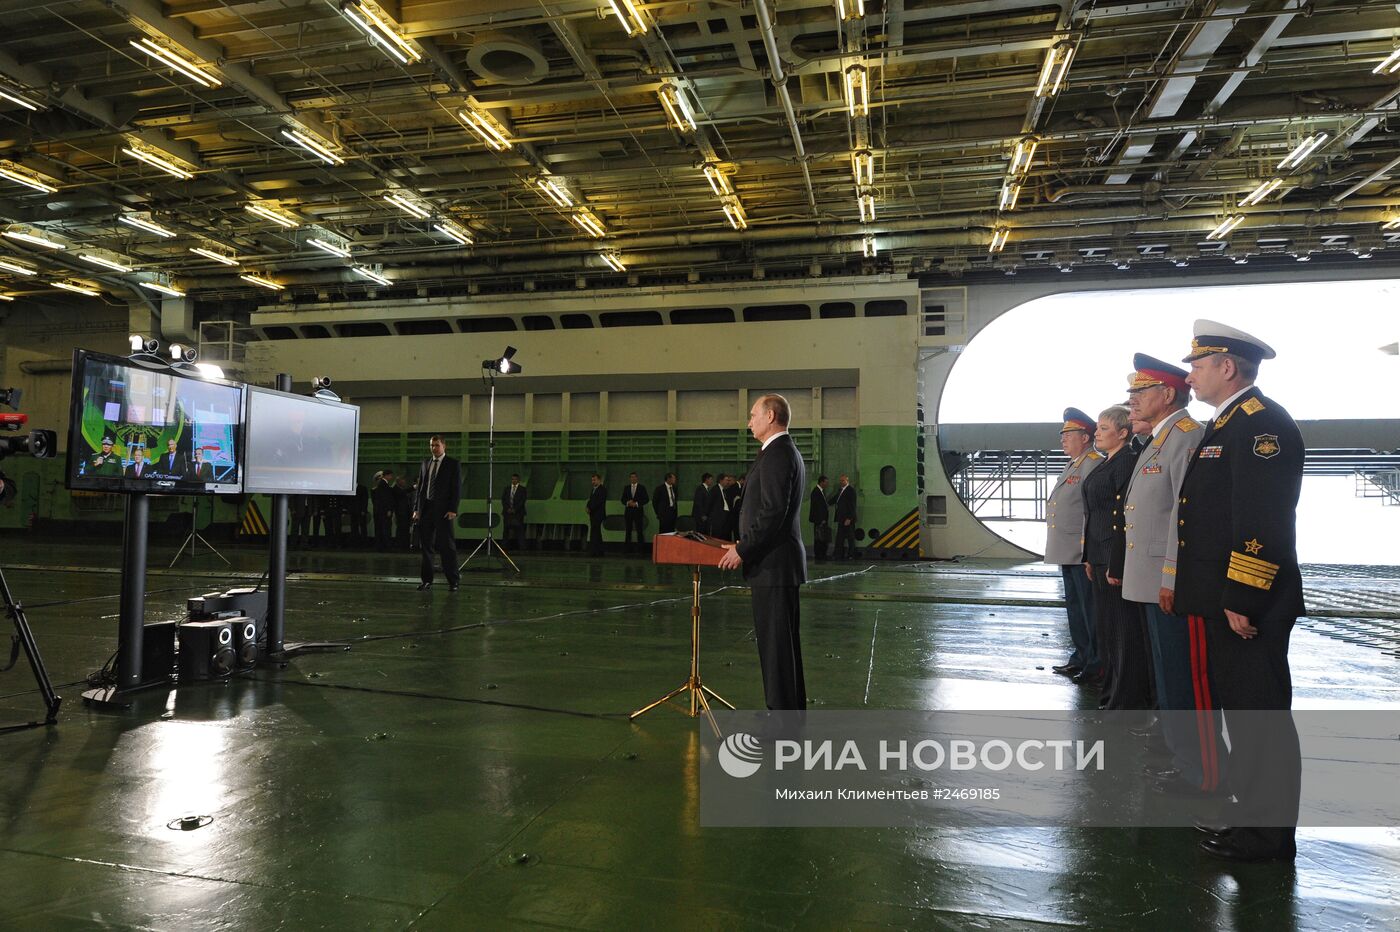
[[505, 365]]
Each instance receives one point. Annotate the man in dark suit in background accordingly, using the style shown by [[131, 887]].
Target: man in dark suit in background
[[700, 506], [513, 511], [819, 513], [172, 461], [439, 492], [771, 554], [201, 470], [139, 468], [634, 516], [597, 509], [382, 498], [722, 517], [663, 502], [845, 505]]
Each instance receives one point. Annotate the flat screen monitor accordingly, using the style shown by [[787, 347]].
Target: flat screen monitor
[[147, 428], [299, 445]]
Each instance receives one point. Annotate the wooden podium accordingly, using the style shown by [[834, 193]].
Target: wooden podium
[[696, 550]]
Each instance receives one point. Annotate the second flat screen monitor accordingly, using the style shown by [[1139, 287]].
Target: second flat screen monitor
[[300, 446]]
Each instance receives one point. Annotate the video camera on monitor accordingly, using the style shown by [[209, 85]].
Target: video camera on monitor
[[37, 443]]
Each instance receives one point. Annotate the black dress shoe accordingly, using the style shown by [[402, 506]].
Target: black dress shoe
[[1206, 828], [1226, 847], [1067, 669], [452, 587], [1093, 682], [424, 585], [1161, 773]]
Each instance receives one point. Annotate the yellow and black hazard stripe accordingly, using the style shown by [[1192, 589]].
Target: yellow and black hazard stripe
[[253, 524], [902, 535]]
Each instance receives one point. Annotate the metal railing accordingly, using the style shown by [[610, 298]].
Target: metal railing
[[1379, 482]]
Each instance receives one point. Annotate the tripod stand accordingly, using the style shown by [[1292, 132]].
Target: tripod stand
[[25, 638], [488, 544], [194, 536]]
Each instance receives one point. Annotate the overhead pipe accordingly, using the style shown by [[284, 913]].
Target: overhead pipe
[[779, 78]]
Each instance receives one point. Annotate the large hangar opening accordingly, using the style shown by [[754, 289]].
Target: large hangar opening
[[1337, 373]]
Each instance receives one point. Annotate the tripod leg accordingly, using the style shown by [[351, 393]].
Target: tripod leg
[[211, 549], [181, 552], [717, 696], [700, 693], [666, 698]]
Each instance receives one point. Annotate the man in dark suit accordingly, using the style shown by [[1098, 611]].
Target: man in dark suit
[[771, 554], [1237, 577], [722, 517], [439, 491], [597, 509], [201, 470], [513, 511], [700, 505], [845, 506], [139, 468], [634, 516], [172, 461], [663, 502], [819, 513], [382, 498]]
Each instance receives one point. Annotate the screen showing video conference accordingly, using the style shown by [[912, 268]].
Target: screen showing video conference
[[299, 445], [136, 429]]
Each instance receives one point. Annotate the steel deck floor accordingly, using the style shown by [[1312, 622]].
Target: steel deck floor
[[468, 763]]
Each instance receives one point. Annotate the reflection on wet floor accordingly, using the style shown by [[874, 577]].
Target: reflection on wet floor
[[468, 763]]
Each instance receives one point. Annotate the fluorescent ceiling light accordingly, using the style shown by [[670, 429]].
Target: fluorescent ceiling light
[[734, 213], [631, 18], [1226, 225], [1052, 75], [33, 237], [1264, 189], [863, 167], [332, 248], [850, 9], [192, 70], [454, 230], [1390, 65], [677, 108], [555, 192], [1392, 225], [1023, 155], [486, 128], [9, 265], [857, 91], [80, 289], [868, 247], [142, 223], [209, 370], [216, 256], [407, 206], [718, 182], [163, 289], [371, 275], [1010, 193], [999, 236], [1304, 149], [314, 146], [268, 214], [589, 224], [150, 158], [381, 32], [866, 203], [614, 262], [104, 262], [20, 177], [261, 282], [7, 297], [15, 98]]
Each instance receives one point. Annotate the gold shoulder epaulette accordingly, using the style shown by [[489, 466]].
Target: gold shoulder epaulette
[[1187, 424], [1094, 455], [1252, 406]]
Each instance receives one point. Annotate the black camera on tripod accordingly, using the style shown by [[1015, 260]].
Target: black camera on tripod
[[41, 444]]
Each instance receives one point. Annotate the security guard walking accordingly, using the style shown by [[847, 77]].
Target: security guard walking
[[1237, 571]]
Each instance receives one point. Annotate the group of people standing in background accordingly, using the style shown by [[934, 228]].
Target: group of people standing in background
[[1177, 545]]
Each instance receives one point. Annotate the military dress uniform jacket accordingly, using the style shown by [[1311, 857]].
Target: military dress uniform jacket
[[1237, 516], [1150, 517], [1064, 512]]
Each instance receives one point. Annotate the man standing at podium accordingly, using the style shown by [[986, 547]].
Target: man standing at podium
[[771, 553]]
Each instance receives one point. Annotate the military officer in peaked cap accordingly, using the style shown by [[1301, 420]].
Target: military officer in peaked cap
[[1237, 572], [1064, 542], [1157, 396], [106, 462]]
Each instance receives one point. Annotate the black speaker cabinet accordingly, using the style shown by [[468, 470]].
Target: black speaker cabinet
[[158, 652], [206, 650], [245, 641]]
